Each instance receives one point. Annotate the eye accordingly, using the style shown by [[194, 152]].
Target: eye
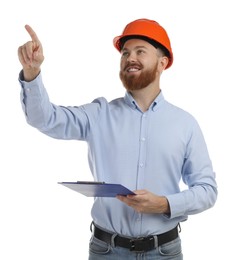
[[140, 51], [125, 54]]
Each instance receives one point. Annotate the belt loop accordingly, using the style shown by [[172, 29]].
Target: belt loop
[[179, 227], [91, 226], [156, 242], [113, 240]]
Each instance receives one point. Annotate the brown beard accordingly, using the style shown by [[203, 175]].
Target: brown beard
[[133, 82]]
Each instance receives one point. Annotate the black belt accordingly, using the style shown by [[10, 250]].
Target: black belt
[[141, 244]]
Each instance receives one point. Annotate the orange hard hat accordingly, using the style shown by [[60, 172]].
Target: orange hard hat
[[147, 29]]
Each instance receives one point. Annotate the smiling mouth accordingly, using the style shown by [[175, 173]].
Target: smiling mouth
[[132, 69]]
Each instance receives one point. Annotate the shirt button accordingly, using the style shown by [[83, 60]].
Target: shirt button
[[143, 139], [141, 165], [28, 89]]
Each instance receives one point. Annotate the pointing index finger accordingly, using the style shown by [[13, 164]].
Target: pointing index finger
[[32, 33]]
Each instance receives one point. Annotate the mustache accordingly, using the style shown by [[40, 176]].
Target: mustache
[[133, 64]]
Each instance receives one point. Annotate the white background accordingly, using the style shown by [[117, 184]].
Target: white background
[[40, 219]]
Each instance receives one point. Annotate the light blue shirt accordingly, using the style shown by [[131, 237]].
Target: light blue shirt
[[153, 150]]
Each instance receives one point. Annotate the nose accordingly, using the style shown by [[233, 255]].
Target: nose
[[131, 57]]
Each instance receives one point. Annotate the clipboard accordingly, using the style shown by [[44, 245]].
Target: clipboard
[[97, 189]]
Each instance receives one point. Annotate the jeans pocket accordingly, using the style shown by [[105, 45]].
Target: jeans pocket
[[99, 247], [172, 248]]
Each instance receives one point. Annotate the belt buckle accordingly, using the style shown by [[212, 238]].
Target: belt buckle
[[138, 244]]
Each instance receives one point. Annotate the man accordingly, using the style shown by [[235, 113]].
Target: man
[[140, 141]]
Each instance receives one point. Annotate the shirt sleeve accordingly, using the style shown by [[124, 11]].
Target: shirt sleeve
[[198, 175], [59, 122]]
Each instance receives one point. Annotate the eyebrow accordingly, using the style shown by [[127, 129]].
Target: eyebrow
[[137, 47]]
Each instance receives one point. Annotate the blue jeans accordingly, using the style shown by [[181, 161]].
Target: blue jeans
[[99, 250]]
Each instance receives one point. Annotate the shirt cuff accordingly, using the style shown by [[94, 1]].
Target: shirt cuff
[[177, 205], [22, 79]]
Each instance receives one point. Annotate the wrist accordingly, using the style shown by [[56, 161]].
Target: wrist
[[30, 74]]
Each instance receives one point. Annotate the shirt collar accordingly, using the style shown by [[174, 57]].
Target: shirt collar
[[130, 101]]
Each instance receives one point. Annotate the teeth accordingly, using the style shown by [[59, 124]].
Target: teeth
[[132, 69]]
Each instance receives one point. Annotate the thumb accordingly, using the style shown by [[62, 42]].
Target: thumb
[[140, 192], [35, 54]]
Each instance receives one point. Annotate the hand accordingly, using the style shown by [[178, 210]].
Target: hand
[[31, 55], [146, 202]]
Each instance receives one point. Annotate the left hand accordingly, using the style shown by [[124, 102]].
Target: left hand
[[146, 202]]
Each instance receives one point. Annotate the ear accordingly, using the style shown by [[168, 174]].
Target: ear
[[163, 62]]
